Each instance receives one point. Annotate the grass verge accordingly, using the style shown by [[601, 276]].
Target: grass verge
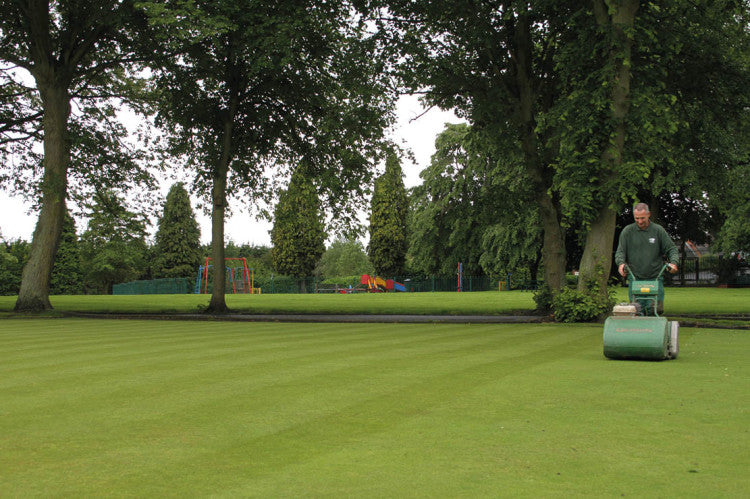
[[679, 301], [480, 303], [152, 408]]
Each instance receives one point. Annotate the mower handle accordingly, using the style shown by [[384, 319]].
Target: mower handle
[[665, 267]]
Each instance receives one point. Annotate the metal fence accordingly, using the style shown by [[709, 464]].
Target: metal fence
[[711, 271], [152, 287], [286, 284], [704, 271], [448, 283]]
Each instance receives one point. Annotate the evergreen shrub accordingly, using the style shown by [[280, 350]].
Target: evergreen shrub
[[571, 305]]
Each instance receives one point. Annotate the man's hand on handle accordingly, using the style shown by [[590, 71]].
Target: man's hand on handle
[[671, 267]]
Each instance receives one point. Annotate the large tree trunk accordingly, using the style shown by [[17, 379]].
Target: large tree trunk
[[218, 302], [553, 245], [597, 253], [33, 295]]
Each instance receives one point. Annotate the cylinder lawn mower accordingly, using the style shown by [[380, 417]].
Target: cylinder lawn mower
[[635, 330]]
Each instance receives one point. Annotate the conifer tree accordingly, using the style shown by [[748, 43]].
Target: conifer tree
[[388, 242], [298, 234], [67, 274], [177, 248]]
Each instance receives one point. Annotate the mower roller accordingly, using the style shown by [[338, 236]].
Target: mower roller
[[635, 330]]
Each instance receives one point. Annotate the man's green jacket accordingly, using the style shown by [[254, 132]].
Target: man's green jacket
[[643, 250]]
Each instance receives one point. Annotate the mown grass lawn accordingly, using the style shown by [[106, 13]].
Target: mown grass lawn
[[678, 301], [178, 408]]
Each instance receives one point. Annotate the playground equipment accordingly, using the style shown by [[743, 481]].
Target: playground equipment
[[239, 279], [635, 330], [379, 285]]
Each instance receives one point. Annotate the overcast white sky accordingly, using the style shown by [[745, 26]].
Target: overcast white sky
[[418, 135]]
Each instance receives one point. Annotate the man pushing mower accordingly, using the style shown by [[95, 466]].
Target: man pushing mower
[[635, 330], [642, 246]]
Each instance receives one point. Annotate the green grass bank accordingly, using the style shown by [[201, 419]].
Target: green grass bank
[[701, 301], [153, 408]]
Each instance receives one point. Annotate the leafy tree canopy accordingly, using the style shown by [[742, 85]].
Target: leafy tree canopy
[[114, 244], [258, 86], [60, 65], [13, 256], [344, 258], [472, 208]]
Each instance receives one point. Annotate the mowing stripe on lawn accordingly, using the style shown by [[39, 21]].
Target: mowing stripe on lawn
[[95, 407]]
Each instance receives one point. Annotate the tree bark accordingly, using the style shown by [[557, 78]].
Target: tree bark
[[597, 253], [218, 302], [33, 295], [553, 245]]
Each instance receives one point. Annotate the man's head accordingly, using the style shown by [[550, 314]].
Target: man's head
[[642, 214]]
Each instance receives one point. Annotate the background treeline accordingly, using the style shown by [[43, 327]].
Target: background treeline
[[411, 239], [573, 110], [76, 272], [114, 249]]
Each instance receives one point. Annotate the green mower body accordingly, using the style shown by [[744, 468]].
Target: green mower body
[[636, 331], [645, 338]]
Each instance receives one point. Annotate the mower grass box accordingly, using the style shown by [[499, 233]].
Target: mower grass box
[[635, 330], [636, 338]]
